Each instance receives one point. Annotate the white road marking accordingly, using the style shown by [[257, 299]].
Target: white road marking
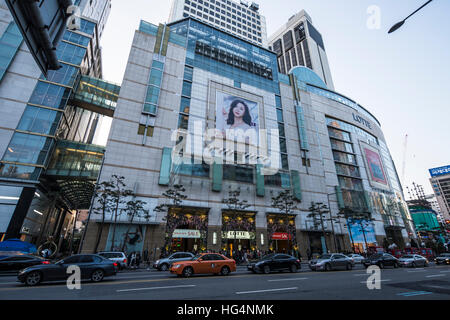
[[448, 271], [435, 275], [156, 288], [268, 290], [376, 281], [288, 279], [361, 274]]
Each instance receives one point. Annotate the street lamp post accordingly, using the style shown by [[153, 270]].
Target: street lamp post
[[331, 220], [401, 23]]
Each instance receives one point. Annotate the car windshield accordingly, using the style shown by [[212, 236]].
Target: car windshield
[[196, 257], [408, 256], [325, 256], [268, 257], [376, 256], [447, 255]]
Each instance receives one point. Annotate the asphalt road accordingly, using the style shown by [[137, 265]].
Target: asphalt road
[[431, 283]]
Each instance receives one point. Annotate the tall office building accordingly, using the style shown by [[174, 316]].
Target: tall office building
[[188, 79], [298, 43], [241, 19], [48, 127], [440, 182]]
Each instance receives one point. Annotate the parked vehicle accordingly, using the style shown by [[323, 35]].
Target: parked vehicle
[[119, 257], [203, 264], [275, 262], [444, 258], [17, 262], [331, 261], [381, 260], [413, 261], [356, 258], [166, 263], [92, 266]]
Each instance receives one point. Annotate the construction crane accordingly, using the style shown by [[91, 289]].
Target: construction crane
[[405, 146]]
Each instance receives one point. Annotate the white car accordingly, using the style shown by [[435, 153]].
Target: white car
[[119, 257], [356, 258]]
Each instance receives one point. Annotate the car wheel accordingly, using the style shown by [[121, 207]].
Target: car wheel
[[395, 265], [381, 265], [164, 267], [187, 272], [414, 265], [426, 264], [225, 271], [33, 278], [349, 266], [97, 275], [293, 268], [266, 269], [327, 267]]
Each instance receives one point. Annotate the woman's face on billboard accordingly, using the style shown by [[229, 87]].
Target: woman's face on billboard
[[239, 110]]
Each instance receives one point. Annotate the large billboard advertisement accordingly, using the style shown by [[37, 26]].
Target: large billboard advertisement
[[236, 113], [374, 166]]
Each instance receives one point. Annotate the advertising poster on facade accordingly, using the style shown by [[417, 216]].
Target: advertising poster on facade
[[233, 112], [357, 232], [126, 238], [374, 166]]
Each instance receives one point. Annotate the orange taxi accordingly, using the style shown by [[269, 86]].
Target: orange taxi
[[204, 263]]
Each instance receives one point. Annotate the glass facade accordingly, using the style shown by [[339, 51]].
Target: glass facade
[[239, 51], [10, 42], [34, 138]]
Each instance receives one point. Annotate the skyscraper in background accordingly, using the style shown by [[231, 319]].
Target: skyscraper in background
[[241, 19], [48, 126], [298, 43], [440, 182]]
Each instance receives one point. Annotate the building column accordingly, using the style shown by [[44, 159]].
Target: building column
[[22, 207]]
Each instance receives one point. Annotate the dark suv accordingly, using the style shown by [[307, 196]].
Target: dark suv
[[381, 260]]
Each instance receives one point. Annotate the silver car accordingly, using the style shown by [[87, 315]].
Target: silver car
[[331, 261], [356, 258], [166, 263], [413, 261], [118, 257]]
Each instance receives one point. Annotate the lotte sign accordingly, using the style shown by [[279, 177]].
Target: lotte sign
[[281, 236]]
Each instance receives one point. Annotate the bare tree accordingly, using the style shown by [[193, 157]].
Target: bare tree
[[285, 202], [235, 206], [319, 211], [118, 192]]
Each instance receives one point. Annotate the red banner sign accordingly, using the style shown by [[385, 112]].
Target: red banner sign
[[281, 236]]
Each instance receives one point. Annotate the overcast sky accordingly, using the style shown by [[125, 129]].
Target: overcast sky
[[402, 78]]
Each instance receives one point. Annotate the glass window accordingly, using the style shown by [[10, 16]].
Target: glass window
[[66, 75], [39, 120], [188, 73], [87, 259], [155, 77], [187, 88], [280, 115], [152, 94], [157, 64], [27, 148], [185, 104], [183, 122], [70, 53], [50, 95]]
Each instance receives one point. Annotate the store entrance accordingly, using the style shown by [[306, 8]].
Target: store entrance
[[282, 246]]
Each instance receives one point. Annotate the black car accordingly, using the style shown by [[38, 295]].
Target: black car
[[275, 262], [443, 258], [17, 262], [381, 260], [92, 266]]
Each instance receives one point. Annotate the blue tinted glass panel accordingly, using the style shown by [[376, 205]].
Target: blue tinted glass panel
[[155, 77], [14, 171], [39, 120], [157, 64], [9, 45], [152, 94], [50, 95], [76, 38], [70, 53], [27, 148], [66, 75], [187, 88]]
